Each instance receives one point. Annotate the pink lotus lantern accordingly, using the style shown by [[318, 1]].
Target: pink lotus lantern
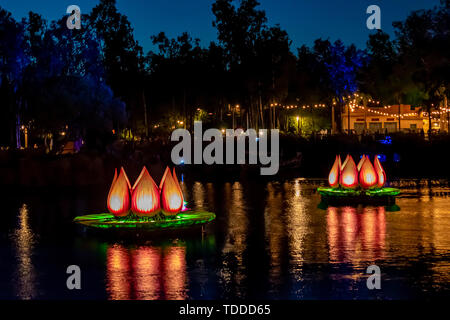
[[171, 195], [145, 196], [367, 175], [333, 176], [381, 175], [119, 195], [349, 174]]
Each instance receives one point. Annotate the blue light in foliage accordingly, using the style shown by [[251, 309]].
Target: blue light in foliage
[[382, 157], [396, 157], [386, 140]]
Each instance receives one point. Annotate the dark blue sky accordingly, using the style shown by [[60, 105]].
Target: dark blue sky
[[304, 20]]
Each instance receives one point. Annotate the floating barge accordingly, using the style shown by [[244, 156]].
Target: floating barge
[[383, 196], [145, 207], [351, 184], [182, 221]]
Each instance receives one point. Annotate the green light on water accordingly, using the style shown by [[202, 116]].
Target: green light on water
[[181, 220], [381, 192]]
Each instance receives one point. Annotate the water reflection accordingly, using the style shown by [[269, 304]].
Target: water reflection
[[146, 272], [234, 269], [275, 234], [269, 240], [24, 240], [356, 235], [118, 273]]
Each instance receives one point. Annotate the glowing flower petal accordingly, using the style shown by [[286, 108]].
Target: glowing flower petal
[[145, 195], [367, 175], [344, 163], [381, 175], [360, 163], [178, 184], [333, 176], [119, 195], [349, 174], [171, 195]]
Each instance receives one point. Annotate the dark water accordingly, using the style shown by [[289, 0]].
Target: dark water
[[270, 240]]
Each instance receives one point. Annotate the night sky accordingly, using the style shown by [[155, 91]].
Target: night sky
[[304, 20]]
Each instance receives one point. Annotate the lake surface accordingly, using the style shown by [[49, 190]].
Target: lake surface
[[270, 240]]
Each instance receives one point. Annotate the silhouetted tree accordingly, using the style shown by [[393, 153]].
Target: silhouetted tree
[[122, 59], [13, 61]]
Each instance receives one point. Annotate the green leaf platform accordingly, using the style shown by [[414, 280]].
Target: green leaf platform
[[182, 220], [359, 196]]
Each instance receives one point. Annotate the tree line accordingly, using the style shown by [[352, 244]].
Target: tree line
[[98, 81]]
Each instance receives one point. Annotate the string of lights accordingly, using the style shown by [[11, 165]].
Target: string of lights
[[320, 105]]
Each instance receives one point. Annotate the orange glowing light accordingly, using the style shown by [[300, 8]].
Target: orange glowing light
[[367, 175], [360, 163], [118, 271], [333, 177], [349, 174], [119, 195], [381, 175], [145, 195], [171, 195]]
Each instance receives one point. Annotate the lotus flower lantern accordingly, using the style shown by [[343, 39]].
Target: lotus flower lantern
[[171, 194], [145, 196], [367, 175], [381, 175], [362, 183], [119, 195], [333, 176], [349, 174], [152, 208]]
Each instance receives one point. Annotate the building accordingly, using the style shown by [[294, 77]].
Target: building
[[394, 118]]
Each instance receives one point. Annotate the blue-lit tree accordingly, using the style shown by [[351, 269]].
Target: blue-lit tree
[[65, 83], [341, 65], [52, 78]]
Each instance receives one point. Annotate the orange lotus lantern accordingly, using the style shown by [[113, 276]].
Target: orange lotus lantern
[[119, 195], [360, 163], [349, 174], [145, 196], [171, 195], [333, 176], [367, 175], [381, 175]]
